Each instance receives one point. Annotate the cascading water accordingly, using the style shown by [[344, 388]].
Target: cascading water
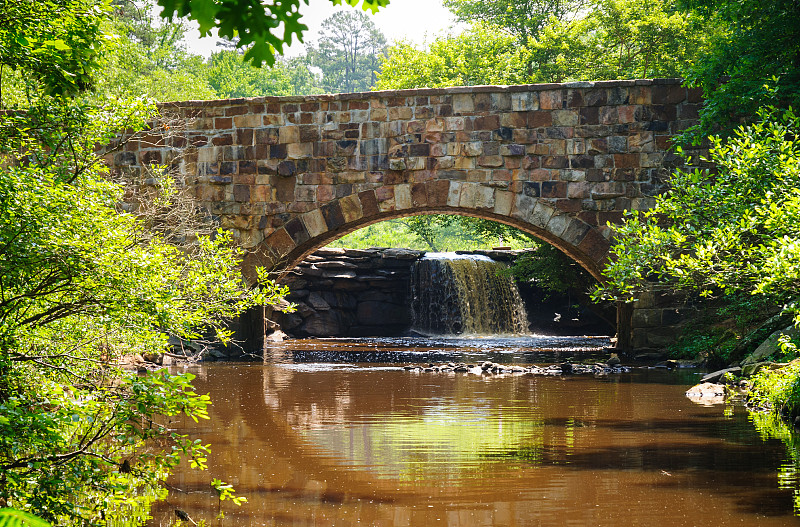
[[463, 294]]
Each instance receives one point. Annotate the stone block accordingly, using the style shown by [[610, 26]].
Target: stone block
[[500, 102], [532, 189], [468, 196], [332, 212], [351, 208], [299, 150], [540, 119], [594, 245], [554, 189], [551, 100], [668, 94], [641, 142], [523, 207], [557, 224], [454, 193], [503, 201], [296, 229], [314, 222], [419, 195], [402, 197], [397, 164], [484, 197], [369, 203], [575, 232], [492, 161], [463, 103], [524, 101], [247, 121], [608, 190], [565, 117]]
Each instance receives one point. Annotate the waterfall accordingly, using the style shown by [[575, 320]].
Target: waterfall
[[463, 294]]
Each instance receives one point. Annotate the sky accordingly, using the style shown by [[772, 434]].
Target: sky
[[415, 20]]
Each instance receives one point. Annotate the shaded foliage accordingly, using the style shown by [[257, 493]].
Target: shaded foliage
[[754, 61]]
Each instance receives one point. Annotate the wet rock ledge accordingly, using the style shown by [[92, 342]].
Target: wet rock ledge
[[355, 292], [491, 368]]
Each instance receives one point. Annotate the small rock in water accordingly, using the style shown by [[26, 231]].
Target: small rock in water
[[706, 394]]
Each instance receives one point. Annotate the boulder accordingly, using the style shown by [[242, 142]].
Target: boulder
[[340, 275], [304, 310], [296, 294], [329, 251], [154, 357], [706, 394], [360, 253], [316, 301], [771, 345], [291, 321], [311, 271], [336, 265], [277, 336], [323, 324]]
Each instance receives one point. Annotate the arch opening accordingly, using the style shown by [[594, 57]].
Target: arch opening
[[564, 309]]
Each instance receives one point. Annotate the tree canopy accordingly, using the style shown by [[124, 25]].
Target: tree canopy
[[348, 52], [603, 40]]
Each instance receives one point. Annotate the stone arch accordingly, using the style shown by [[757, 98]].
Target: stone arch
[[302, 235], [561, 161]]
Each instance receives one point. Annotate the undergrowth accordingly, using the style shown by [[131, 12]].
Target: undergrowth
[[714, 337]]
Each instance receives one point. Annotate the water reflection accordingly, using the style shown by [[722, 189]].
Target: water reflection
[[349, 443]]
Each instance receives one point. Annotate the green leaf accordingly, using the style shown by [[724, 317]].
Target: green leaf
[[15, 518]]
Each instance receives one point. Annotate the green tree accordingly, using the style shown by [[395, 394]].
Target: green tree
[[57, 43], [755, 61], [231, 76], [148, 58], [728, 231], [348, 52], [480, 55], [619, 39], [610, 39], [94, 268], [256, 24], [436, 232], [523, 19]]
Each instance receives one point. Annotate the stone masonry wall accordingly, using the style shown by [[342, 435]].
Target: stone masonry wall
[[287, 175]]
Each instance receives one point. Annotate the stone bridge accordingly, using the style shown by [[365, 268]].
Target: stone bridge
[[288, 175]]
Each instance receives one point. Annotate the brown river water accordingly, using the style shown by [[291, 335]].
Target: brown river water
[[335, 432]]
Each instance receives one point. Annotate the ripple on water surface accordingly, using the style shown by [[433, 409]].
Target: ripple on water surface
[[400, 350]]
